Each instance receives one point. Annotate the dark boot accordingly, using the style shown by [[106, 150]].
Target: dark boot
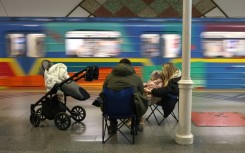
[[112, 129]]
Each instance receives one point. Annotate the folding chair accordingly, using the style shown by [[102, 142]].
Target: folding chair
[[155, 109], [119, 105]]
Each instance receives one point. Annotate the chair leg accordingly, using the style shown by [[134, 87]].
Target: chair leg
[[161, 121], [105, 120], [162, 114], [174, 116], [103, 130], [132, 129], [153, 109]]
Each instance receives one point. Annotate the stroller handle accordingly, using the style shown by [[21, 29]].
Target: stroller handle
[[75, 77], [92, 72]]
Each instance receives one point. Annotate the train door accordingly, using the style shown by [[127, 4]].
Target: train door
[[159, 47], [166, 45], [25, 47], [150, 45], [171, 45]]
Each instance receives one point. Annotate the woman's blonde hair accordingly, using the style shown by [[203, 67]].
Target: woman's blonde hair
[[168, 69]]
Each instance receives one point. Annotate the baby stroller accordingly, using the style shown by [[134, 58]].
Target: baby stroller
[[52, 108]]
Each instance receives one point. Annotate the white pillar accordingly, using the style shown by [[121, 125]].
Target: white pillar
[[184, 135]]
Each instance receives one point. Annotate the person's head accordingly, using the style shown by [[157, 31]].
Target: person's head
[[125, 61], [157, 74], [168, 69], [49, 65], [46, 64]]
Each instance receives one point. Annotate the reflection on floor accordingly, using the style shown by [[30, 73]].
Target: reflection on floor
[[18, 135]]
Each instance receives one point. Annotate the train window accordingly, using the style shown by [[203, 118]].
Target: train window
[[223, 44], [93, 43], [150, 45], [171, 45], [16, 44], [35, 47]]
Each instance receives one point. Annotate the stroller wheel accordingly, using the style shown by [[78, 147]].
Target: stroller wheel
[[34, 119], [39, 112], [78, 113], [62, 121]]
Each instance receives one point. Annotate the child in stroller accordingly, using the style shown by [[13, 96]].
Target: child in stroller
[[59, 85]]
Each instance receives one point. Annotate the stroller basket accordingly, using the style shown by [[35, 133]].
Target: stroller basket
[[51, 107]]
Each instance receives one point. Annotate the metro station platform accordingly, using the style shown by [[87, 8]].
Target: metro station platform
[[210, 136]]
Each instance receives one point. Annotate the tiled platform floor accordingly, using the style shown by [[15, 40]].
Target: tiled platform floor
[[18, 135]]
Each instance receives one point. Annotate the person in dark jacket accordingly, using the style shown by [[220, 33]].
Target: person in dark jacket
[[122, 76], [171, 76]]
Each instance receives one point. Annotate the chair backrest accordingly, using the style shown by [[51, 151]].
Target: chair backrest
[[118, 104]]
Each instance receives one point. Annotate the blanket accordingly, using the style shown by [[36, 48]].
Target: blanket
[[55, 74]]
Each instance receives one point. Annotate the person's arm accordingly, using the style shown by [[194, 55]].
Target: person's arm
[[158, 92], [141, 86], [104, 86], [161, 92]]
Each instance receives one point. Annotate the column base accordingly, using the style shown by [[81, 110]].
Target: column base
[[184, 139]]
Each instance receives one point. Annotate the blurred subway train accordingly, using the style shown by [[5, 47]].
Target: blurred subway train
[[217, 48]]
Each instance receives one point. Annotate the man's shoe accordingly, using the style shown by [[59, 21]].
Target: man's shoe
[[134, 133], [140, 127], [112, 130]]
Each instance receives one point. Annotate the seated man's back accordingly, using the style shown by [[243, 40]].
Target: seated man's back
[[122, 76]]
